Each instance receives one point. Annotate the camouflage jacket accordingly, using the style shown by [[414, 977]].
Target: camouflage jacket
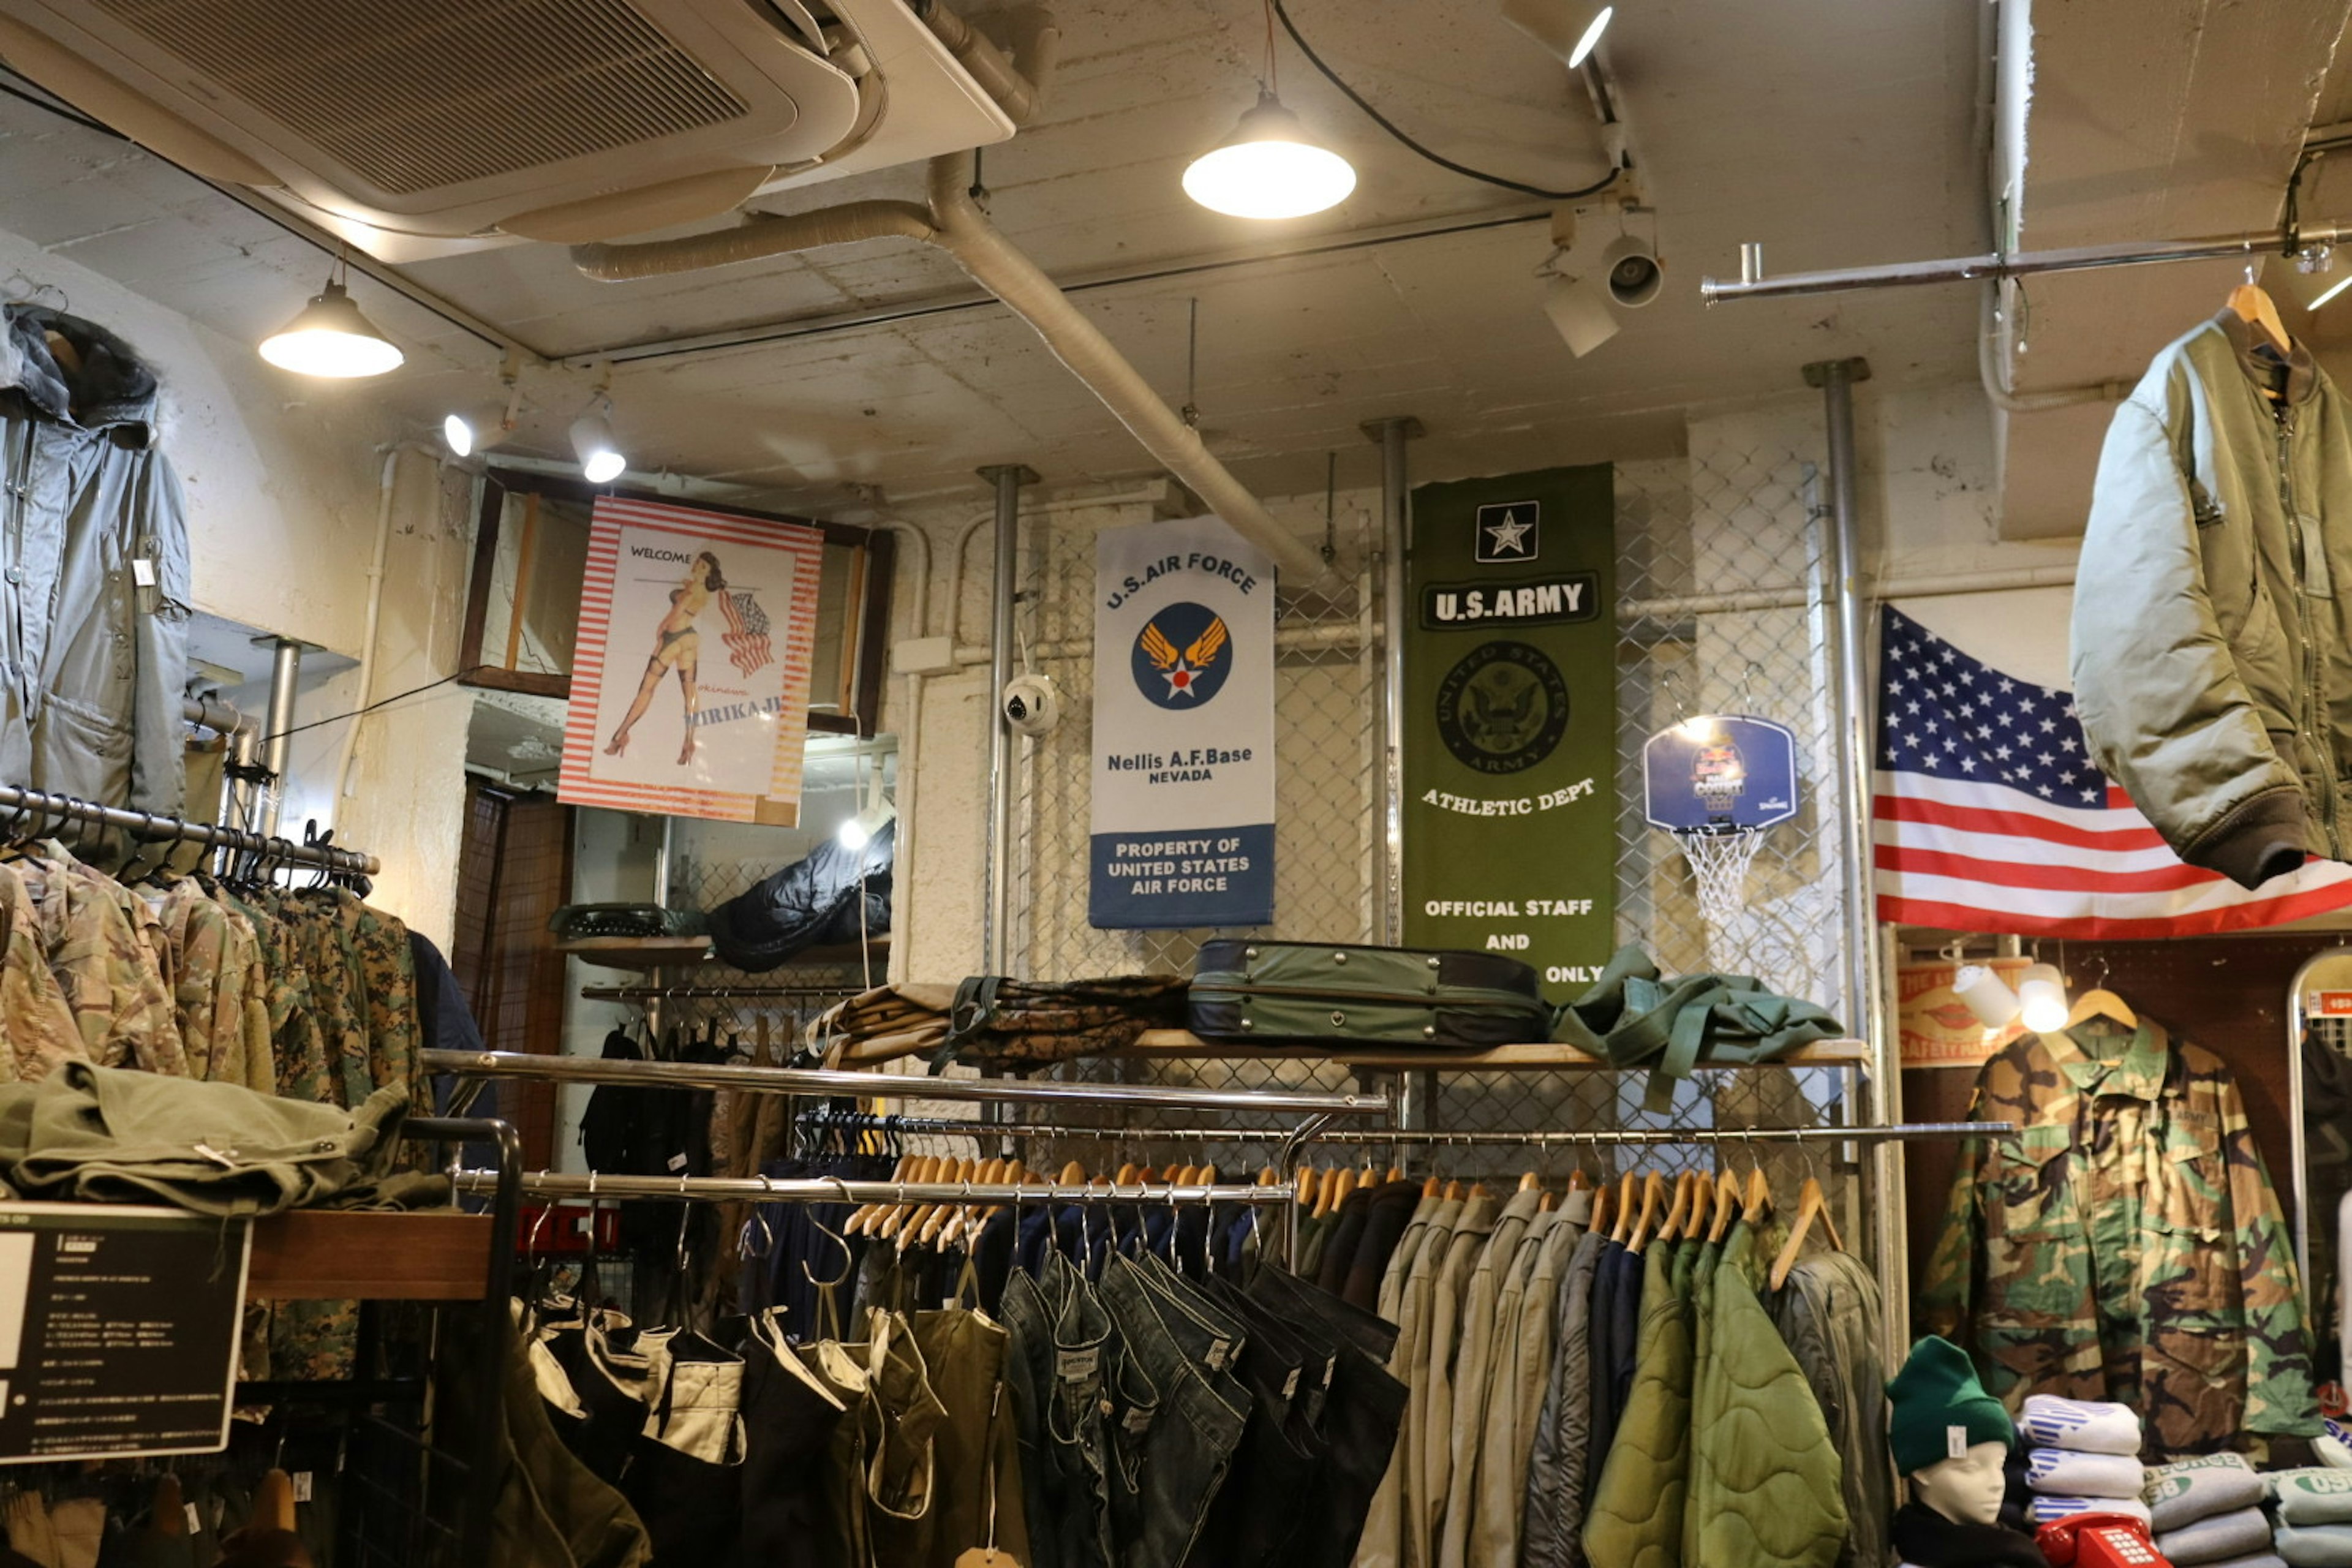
[[2126, 1243], [109, 956], [41, 1030]]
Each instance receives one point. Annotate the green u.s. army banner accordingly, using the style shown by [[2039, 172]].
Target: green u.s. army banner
[[1510, 727]]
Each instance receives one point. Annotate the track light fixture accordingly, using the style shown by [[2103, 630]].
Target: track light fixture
[[1988, 996], [2043, 995], [1569, 29], [466, 431], [601, 461], [328, 337]]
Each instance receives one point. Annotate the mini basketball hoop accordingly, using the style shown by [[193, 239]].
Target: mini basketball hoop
[[1717, 782]]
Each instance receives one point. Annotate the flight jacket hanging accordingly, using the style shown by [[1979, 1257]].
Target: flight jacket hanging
[[93, 570], [2126, 1243]]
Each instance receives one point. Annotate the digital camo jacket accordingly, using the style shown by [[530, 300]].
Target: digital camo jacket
[[2126, 1243]]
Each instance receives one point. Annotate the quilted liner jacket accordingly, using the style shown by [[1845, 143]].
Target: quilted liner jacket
[[1765, 1478], [1636, 1518], [2125, 1244], [93, 570], [2211, 660]]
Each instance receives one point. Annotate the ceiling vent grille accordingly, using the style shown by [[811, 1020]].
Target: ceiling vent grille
[[419, 95]]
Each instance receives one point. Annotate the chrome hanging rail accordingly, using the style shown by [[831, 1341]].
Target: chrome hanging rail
[[754, 1189], [691, 992], [895, 1086], [1603, 1138], [1752, 283], [154, 828], [932, 1126]]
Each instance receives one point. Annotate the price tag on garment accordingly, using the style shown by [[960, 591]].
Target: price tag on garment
[[301, 1486], [1137, 1421], [142, 572], [986, 1557], [1074, 1366], [195, 1520], [677, 1162], [119, 1327], [1956, 1442], [1220, 1354], [1290, 1384]]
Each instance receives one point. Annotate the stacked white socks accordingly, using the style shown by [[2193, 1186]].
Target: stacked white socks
[[2085, 1458]]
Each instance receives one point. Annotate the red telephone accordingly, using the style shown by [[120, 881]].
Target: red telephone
[[2099, 1540]]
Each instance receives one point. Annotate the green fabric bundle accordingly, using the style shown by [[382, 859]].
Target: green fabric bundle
[[1631, 1017]]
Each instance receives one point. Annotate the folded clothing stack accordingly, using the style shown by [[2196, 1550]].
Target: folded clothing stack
[[2334, 1449], [2314, 1508], [2209, 1510], [2084, 1459]]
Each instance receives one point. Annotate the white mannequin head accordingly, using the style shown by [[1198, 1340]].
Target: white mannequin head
[[1965, 1490]]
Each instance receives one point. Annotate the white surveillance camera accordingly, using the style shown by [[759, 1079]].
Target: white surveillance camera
[[1032, 704]]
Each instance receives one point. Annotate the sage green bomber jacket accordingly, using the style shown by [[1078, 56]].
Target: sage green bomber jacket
[[2210, 661]]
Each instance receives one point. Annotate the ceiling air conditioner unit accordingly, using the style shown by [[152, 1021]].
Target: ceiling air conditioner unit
[[420, 128]]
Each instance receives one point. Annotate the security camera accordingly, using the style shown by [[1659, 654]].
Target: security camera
[[1631, 264], [1032, 704]]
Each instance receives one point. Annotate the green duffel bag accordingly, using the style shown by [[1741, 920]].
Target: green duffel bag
[[1296, 993]]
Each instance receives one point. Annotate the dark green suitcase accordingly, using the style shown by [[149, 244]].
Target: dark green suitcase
[[1296, 993]]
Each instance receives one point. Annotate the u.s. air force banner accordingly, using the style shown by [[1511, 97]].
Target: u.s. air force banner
[[1183, 741]]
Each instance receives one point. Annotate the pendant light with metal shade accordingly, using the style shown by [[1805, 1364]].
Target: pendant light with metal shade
[[328, 337], [1269, 167]]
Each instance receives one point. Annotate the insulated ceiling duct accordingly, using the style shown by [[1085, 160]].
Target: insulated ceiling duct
[[418, 127]]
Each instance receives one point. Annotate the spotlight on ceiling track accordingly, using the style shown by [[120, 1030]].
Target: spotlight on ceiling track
[[466, 431], [1579, 309], [1569, 29], [1988, 996], [601, 461], [1269, 168], [2043, 992], [328, 337]]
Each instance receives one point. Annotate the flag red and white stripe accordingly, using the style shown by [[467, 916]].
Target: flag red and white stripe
[[747, 632], [1989, 816]]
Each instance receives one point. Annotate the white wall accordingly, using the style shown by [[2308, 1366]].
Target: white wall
[[283, 476]]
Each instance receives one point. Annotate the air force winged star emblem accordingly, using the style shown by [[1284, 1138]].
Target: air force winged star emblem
[[1182, 656]]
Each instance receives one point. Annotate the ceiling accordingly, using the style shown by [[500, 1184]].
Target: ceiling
[[1836, 135]]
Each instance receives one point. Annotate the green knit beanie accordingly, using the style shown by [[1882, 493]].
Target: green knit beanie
[[1936, 1394]]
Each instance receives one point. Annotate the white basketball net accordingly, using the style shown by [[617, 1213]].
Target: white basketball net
[[1719, 862]]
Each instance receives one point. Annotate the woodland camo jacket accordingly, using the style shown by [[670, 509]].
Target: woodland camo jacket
[[2126, 1243]]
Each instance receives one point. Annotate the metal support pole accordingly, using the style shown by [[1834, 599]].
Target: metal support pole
[[285, 673], [997, 943], [1419, 1089], [1865, 995]]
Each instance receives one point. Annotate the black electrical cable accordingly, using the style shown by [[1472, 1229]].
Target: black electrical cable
[[1385, 123], [356, 712]]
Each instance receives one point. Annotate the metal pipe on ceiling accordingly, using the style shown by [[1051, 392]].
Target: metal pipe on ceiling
[[2018, 264]]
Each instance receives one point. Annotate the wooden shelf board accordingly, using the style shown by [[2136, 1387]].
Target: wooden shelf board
[[1538, 1057], [333, 1254], [690, 952]]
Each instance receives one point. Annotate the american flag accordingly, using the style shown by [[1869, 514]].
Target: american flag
[[1989, 816], [747, 632]]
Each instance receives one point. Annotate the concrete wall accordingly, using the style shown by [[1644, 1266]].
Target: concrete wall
[[283, 477]]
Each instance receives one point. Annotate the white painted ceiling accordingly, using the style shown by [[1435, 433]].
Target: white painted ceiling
[[1835, 133]]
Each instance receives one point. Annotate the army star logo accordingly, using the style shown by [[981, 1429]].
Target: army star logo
[[1511, 532]]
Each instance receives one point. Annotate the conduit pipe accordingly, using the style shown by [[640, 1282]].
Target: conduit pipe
[[1019, 84], [2017, 264], [955, 224]]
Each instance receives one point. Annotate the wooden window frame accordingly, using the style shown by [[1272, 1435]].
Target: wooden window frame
[[871, 574]]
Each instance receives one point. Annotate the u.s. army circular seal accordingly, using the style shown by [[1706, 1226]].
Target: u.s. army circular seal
[[1503, 708]]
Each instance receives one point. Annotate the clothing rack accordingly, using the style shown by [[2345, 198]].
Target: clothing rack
[[561, 1186], [692, 993], [889, 1126], [1603, 1138], [153, 828], [818, 1081]]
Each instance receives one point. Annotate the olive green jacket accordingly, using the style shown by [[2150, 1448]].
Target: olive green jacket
[[2211, 661]]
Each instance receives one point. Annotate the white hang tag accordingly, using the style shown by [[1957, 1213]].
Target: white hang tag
[[1956, 1442], [142, 572], [195, 1520]]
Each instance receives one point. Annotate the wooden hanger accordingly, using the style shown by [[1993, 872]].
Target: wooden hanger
[[1453, 1194], [1578, 1180], [1548, 1202], [1599, 1219], [1310, 1180], [1335, 1192], [1430, 1186], [2255, 307], [893, 1215], [1267, 1178], [1396, 1174], [1759, 1197], [856, 1222], [1726, 1205], [962, 1219], [273, 1502], [1653, 1207], [1811, 1204], [1678, 1215], [1628, 1209], [1127, 1174], [2099, 1003], [1073, 1175], [1530, 1181]]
